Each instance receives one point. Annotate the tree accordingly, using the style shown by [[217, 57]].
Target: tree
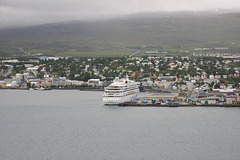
[[217, 86]]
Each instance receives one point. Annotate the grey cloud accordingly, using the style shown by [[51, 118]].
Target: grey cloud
[[118, 4], [45, 11]]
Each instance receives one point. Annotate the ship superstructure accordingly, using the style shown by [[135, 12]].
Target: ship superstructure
[[121, 90]]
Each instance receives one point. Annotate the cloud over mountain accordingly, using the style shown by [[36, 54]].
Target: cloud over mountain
[[24, 12]]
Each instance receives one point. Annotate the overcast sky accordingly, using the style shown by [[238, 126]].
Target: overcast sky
[[25, 12]]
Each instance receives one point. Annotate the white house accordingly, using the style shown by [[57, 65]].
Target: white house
[[95, 82], [231, 98], [208, 101]]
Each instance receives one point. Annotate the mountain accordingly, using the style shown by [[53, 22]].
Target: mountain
[[113, 37]]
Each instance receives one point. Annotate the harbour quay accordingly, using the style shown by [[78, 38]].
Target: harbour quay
[[174, 100]]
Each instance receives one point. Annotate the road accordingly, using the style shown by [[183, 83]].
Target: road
[[10, 68], [134, 52]]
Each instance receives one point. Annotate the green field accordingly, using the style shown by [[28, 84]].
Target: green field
[[170, 32]]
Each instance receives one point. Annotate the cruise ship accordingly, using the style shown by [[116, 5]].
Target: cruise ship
[[121, 90]]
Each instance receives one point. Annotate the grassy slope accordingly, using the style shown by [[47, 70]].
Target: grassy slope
[[112, 37]]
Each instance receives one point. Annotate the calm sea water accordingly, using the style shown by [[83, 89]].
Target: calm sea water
[[74, 125]]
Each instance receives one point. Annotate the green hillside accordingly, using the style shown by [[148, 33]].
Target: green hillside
[[113, 37]]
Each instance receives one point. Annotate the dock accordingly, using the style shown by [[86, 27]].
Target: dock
[[135, 104]]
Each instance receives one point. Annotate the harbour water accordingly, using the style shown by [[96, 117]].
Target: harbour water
[[74, 125]]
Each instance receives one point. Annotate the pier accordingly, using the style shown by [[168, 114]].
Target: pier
[[174, 100], [135, 104]]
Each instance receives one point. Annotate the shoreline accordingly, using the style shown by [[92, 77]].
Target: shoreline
[[80, 89], [129, 104]]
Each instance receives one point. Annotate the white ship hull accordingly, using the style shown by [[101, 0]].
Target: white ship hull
[[117, 100]]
